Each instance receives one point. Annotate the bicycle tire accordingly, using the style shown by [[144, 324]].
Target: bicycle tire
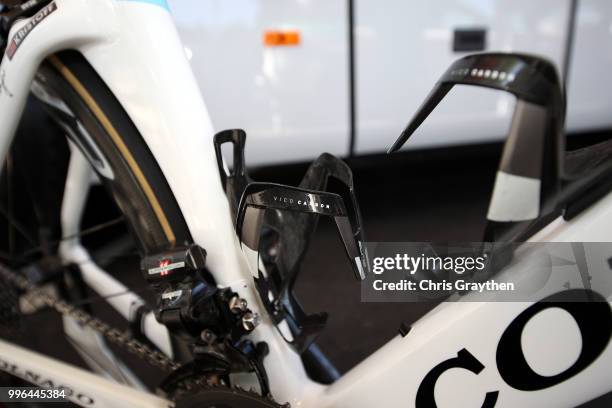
[[138, 185]]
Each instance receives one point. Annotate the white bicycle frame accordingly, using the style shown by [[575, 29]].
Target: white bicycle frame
[[133, 45]]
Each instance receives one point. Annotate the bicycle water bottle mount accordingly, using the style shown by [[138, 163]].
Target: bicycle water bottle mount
[[529, 176], [284, 218]]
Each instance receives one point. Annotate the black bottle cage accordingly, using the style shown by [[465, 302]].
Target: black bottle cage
[[277, 294], [258, 197], [291, 215], [233, 181], [535, 146]]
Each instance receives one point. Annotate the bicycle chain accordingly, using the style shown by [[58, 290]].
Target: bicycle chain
[[113, 335], [119, 338]]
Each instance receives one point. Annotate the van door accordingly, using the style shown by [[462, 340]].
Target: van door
[[404, 46], [290, 94]]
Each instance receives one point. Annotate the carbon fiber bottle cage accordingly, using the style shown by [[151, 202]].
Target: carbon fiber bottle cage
[[234, 181], [535, 146], [285, 217], [259, 197]]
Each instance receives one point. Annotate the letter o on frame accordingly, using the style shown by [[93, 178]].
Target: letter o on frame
[[594, 318]]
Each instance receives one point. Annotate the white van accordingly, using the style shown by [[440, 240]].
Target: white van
[[316, 88]]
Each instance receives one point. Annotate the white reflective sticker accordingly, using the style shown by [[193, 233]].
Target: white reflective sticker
[[166, 268], [515, 198]]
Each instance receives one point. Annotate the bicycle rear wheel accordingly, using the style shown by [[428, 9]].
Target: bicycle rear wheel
[[115, 149], [86, 111]]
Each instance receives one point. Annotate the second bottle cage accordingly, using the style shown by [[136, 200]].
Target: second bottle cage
[[529, 175]]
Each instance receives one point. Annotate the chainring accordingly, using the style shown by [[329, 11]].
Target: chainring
[[190, 387], [224, 397]]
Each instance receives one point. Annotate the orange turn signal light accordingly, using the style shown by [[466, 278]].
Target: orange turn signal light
[[276, 38]]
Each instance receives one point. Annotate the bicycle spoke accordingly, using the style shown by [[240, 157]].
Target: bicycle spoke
[[17, 226], [82, 233]]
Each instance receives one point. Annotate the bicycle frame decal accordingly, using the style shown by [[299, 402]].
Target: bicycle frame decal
[[21, 34], [82, 388], [81, 398], [595, 324]]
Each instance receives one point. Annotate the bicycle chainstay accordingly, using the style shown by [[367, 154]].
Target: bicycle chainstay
[[125, 340]]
